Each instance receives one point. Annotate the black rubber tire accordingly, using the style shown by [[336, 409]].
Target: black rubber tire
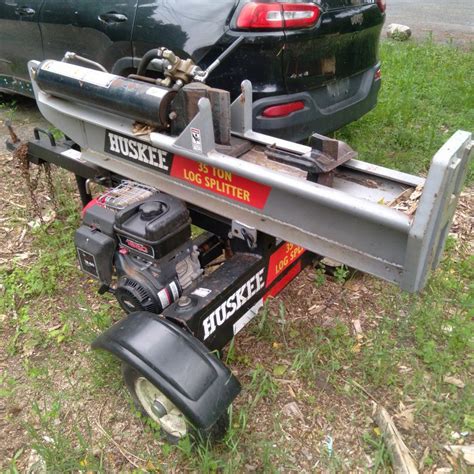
[[215, 433]]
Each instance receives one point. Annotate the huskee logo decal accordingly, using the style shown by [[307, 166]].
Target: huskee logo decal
[[136, 150], [227, 309]]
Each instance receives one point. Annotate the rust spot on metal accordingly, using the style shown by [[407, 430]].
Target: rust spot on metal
[[13, 135], [366, 182]]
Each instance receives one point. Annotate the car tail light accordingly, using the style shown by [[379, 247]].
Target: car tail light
[[275, 15], [378, 75], [382, 4], [282, 110]]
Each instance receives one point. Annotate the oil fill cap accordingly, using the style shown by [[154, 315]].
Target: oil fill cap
[[150, 210]]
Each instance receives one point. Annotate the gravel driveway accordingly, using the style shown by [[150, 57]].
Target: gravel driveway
[[447, 20]]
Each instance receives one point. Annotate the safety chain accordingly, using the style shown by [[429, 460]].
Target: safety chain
[[32, 181]]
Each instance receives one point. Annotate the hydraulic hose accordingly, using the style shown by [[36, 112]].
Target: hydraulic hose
[[147, 59]]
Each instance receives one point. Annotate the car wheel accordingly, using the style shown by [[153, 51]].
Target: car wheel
[[152, 403]]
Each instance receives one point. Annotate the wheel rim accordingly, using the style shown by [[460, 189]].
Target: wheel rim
[[160, 408]]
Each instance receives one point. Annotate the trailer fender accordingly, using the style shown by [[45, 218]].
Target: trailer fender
[[198, 383]]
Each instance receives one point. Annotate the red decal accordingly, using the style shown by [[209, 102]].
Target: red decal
[[220, 182], [284, 281], [282, 259], [136, 246]]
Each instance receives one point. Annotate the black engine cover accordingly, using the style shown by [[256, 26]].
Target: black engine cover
[[155, 227], [95, 251], [143, 243]]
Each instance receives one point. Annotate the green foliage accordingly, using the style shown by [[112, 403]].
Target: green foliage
[[380, 453], [8, 103], [427, 94], [55, 262], [320, 275], [262, 383], [341, 274], [60, 448]]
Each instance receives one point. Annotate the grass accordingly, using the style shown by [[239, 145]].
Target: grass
[[427, 94], [9, 104], [409, 345]]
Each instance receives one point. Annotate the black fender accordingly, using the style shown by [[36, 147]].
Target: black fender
[[180, 365]]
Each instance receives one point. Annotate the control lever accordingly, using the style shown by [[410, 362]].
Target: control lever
[[201, 76]]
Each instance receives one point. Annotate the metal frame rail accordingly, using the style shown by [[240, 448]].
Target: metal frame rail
[[338, 224]]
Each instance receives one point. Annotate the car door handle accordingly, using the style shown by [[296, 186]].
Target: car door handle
[[113, 17], [25, 11]]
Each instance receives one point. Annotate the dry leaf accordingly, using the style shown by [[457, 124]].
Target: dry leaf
[[54, 328], [467, 452], [454, 381], [357, 326], [292, 410], [406, 419]]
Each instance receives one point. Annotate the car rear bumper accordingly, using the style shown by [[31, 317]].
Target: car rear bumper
[[326, 108]]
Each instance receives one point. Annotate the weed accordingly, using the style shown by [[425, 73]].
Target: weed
[[265, 325], [52, 441], [262, 384], [335, 346], [330, 457], [381, 458], [61, 334], [7, 385], [35, 371], [231, 356], [208, 462], [12, 468], [242, 420], [56, 133], [320, 275], [341, 274], [267, 452], [305, 362], [54, 263], [282, 321], [103, 371], [8, 103]]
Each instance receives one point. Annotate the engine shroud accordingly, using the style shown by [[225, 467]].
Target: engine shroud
[[155, 227], [142, 252]]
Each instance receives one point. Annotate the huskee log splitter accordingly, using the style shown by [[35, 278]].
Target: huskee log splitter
[[173, 152]]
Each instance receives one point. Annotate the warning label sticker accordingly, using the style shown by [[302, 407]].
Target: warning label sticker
[[196, 139], [221, 182]]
